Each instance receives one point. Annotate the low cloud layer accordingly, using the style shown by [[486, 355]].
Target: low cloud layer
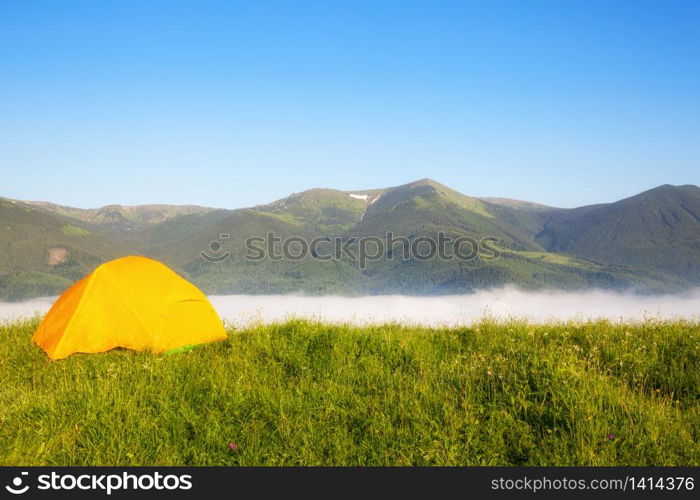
[[11, 311], [503, 303]]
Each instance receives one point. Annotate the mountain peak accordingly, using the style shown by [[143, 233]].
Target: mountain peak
[[665, 191], [673, 187], [425, 182]]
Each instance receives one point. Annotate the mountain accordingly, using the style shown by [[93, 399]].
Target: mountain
[[649, 242], [658, 229], [42, 252], [118, 219]]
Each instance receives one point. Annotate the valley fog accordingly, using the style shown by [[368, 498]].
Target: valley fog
[[502, 304]]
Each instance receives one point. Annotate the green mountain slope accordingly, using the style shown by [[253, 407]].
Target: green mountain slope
[[180, 243], [658, 230], [41, 252], [118, 220], [321, 210], [427, 206]]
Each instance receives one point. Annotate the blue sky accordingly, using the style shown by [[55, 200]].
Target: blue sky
[[233, 104]]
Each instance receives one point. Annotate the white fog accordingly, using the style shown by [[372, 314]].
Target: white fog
[[502, 304]]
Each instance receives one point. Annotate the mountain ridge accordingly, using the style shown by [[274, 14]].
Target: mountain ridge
[[649, 241]]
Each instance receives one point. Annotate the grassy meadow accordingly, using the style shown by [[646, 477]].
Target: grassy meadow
[[306, 393]]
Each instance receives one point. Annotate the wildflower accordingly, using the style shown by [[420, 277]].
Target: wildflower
[[611, 437], [232, 446]]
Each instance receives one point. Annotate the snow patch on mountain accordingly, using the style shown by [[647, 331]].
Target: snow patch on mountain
[[362, 197]]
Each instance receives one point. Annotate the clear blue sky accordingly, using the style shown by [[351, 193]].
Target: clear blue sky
[[236, 103]]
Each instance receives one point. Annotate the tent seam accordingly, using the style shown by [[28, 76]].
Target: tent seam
[[81, 300], [168, 301], [131, 304]]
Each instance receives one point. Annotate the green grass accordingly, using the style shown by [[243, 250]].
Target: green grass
[[304, 393], [553, 258], [71, 230]]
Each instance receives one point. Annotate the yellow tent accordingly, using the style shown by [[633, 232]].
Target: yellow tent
[[132, 302]]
